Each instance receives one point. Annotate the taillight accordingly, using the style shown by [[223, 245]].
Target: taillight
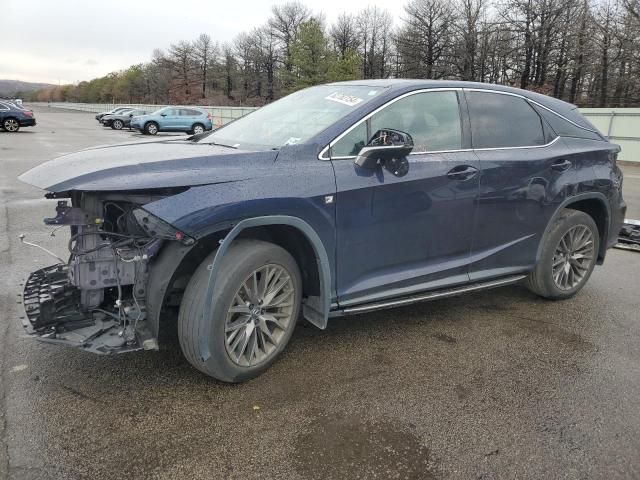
[[209, 116], [28, 113]]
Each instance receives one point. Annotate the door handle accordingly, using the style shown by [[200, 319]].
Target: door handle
[[462, 172], [561, 165]]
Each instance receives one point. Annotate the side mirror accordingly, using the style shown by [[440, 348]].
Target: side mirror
[[385, 145], [163, 114]]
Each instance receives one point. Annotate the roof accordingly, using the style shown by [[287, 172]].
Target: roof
[[405, 84]]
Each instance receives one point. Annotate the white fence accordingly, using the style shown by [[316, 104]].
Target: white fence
[[621, 125], [220, 115]]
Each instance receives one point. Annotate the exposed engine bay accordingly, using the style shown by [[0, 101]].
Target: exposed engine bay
[[97, 300]]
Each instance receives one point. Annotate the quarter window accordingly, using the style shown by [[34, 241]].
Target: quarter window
[[499, 121], [431, 118], [564, 128]]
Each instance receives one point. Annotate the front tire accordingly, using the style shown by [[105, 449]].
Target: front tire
[[11, 125], [151, 128], [257, 298], [569, 253], [197, 129]]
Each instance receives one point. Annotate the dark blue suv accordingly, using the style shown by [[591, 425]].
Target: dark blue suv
[[13, 116], [339, 199]]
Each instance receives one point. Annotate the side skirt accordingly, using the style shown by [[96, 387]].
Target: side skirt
[[423, 297]]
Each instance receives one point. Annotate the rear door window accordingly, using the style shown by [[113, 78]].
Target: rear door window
[[503, 121]]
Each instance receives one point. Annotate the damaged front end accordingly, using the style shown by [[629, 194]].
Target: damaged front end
[[629, 236], [97, 301]]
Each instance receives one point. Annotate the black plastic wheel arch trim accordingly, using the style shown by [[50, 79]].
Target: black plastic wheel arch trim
[[321, 258]]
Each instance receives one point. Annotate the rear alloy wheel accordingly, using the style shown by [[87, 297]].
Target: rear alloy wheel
[[11, 125], [573, 257], [197, 129], [256, 302], [151, 128], [568, 256], [117, 124]]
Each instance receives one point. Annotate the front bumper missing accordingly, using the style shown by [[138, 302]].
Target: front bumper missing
[[53, 315], [629, 237]]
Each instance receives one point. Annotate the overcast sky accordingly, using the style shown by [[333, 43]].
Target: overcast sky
[[72, 40]]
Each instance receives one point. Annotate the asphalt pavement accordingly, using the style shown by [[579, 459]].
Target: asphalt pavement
[[493, 385]]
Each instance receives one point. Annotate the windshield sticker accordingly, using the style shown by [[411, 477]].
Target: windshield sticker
[[372, 92], [292, 140], [349, 100]]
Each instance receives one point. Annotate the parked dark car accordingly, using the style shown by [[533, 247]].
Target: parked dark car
[[13, 116], [118, 121], [113, 111], [339, 199]]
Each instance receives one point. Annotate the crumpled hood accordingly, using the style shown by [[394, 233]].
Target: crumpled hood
[[148, 164]]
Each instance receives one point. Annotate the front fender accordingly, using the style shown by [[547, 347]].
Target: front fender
[[298, 191]]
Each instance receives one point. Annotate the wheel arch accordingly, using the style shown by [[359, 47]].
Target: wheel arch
[[593, 204], [176, 263]]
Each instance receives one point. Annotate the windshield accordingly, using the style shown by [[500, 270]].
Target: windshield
[[293, 119]]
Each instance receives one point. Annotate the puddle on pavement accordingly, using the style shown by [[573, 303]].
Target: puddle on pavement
[[337, 447]]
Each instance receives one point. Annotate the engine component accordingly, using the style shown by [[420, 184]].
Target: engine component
[[66, 215]]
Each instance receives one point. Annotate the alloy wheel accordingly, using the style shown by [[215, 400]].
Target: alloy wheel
[[11, 125], [259, 315], [198, 129], [573, 257]]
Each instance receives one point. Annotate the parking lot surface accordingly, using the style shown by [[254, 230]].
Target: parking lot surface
[[498, 384]]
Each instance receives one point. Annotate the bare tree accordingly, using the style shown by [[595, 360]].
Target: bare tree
[[469, 13], [424, 38], [285, 21], [205, 53], [374, 28], [266, 51], [584, 51], [344, 35]]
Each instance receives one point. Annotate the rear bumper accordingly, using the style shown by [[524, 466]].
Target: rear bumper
[[27, 122]]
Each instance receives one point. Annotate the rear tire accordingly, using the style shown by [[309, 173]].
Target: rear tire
[[117, 124], [151, 128], [240, 347], [11, 125], [569, 253]]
